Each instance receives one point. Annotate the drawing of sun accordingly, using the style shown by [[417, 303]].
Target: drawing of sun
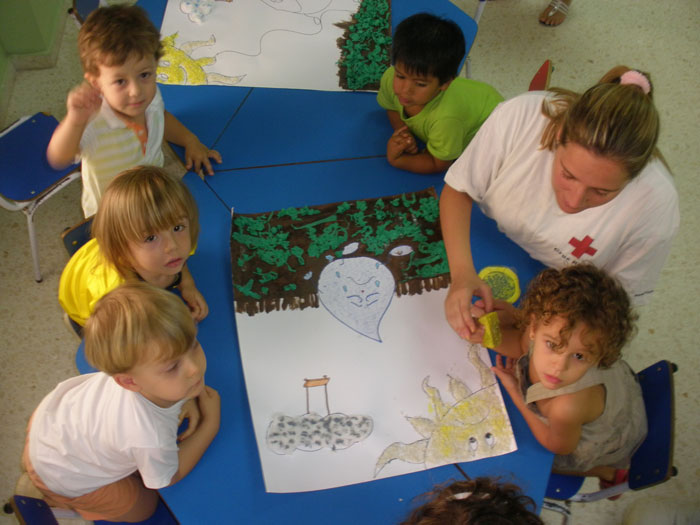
[[472, 427]]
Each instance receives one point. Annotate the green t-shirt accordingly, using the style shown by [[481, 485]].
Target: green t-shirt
[[448, 122]]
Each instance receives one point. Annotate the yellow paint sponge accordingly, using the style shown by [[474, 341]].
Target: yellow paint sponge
[[492, 334]]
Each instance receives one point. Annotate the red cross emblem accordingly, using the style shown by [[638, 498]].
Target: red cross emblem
[[582, 247]]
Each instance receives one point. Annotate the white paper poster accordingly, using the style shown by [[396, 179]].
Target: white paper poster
[[351, 370]]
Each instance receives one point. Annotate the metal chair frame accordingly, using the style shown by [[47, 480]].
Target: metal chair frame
[[47, 182]]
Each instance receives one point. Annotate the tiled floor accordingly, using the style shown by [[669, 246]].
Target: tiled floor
[[660, 37]]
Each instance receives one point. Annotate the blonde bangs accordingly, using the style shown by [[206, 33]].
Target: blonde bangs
[[140, 202]]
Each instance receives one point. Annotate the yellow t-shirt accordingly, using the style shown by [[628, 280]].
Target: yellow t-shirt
[[85, 279]]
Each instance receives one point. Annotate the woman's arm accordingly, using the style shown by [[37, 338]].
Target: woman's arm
[[455, 220]]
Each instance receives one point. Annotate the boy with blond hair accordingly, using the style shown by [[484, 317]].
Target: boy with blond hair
[[116, 118], [102, 443]]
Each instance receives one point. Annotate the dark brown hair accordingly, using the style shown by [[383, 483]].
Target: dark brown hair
[[583, 294], [480, 501]]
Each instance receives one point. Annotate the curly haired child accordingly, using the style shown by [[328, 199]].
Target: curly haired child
[[480, 501], [579, 398]]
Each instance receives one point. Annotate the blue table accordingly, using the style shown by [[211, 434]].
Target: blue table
[[228, 480], [275, 159]]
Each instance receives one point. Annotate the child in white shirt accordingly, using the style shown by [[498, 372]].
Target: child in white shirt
[[103, 443]]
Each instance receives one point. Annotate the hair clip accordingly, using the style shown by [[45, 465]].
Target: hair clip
[[637, 79], [461, 495]]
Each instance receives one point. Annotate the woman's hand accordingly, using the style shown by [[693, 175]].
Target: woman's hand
[[460, 312]]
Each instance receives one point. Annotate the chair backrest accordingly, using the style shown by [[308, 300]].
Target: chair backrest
[[32, 511], [653, 461], [25, 174], [540, 81], [75, 236]]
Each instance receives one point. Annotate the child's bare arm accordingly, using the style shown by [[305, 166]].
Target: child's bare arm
[[192, 296], [562, 431], [511, 342], [192, 449], [197, 155], [189, 411], [82, 103], [394, 119]]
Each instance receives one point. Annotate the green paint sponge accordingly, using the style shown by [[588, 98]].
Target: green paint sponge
[[492, 333]]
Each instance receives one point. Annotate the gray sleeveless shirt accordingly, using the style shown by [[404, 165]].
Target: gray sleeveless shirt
[[616, 434]]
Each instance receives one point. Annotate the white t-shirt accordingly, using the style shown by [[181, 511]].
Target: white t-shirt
[[109, 147], [90, 432], [504, 170]]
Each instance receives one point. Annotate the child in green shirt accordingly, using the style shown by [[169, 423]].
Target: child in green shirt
[[424, 98]]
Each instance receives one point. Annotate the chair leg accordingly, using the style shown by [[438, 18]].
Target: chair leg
[[32, 243], [560, 507]]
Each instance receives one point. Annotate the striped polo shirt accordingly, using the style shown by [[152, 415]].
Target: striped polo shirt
[[109, 147]]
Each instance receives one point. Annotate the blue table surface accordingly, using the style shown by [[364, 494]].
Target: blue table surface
[[229, 476], [228, 480], [286, 148]]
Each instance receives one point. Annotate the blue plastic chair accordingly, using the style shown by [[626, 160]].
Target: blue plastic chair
[[75, 236], [26, 179], [651, 464]]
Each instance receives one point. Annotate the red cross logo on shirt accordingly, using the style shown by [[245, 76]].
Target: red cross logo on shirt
[[582, 247]]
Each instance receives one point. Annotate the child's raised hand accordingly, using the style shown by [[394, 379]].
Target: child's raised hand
[[197, 157], [82, 103], [189, 411], [505, 371]]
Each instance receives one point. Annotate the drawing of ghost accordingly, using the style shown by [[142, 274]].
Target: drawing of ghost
[[178, 67], [357, 291]]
